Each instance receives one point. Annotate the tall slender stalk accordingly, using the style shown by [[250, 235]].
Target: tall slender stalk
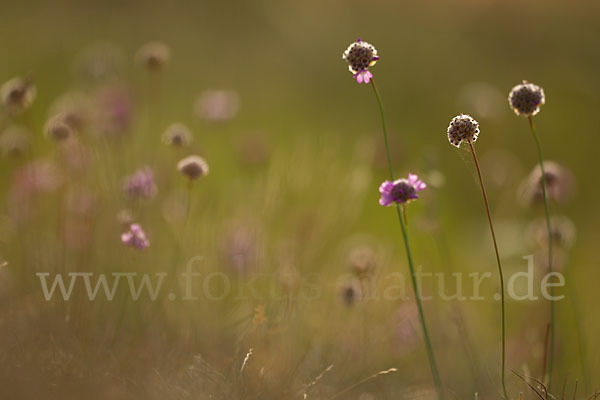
[[549, 226], [489, 216], [430, 356]]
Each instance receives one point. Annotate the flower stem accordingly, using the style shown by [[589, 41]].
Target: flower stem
[[549, 227], [432, 363], [489, 216]]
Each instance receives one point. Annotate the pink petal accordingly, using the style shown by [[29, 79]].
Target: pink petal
[[386, 186], [367, 76], [385, 201]]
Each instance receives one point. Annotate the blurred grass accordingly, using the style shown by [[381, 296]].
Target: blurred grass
[[315, 195]]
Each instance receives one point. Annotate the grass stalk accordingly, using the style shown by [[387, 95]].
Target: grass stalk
[[550, 260], [501, 275], [430, 355]]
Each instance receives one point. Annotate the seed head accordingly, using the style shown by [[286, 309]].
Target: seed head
[[559, 184], [463, 127], [17, 95], [401, 190], [360, 56], [526, 98], [58, 129], [153, 55], [193, 167], [75, 108], [362, 261], [177, 135], [135, 237], [562, 230]]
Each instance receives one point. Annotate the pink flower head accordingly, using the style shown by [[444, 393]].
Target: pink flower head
[[401, 190], [135, 237], [140, 184]]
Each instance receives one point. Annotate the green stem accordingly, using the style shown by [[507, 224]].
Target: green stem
[[549, 227], [489, 216], [428, 346]]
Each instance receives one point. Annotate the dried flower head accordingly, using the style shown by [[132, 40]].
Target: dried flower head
[[559, 184], [193, 167], [140, 184], [360, 56], [135, 237], [562, 230], [362, 261], [177, 135], [14, 141], [401, 190], [463, 127], [75, 108], [17, 95], [58, 129], [153, 55], [526, 98]]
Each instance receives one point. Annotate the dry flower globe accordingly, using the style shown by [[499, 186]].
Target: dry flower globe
[[193, 167]]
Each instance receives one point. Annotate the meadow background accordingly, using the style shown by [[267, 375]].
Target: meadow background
[[292, 194]]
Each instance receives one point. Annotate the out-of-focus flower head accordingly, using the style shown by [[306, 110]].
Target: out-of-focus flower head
[[362, 261], [153, 55], [485, 99], [17, 95], [140, 184], [113, 107], [559, 184], [30, 182], [193, 167], [99, 63], [462, 128], [360, 56], [400, 191], [57, 129], [177, 135], [562, 231], [135, 237], [14, 141], [526, 98], [75, 108], [240, 245], [217, 105]]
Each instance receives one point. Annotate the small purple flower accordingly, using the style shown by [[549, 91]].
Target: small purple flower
[[363, 76], [401, 190], [360, 56], [140, 184], [135, 237]]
